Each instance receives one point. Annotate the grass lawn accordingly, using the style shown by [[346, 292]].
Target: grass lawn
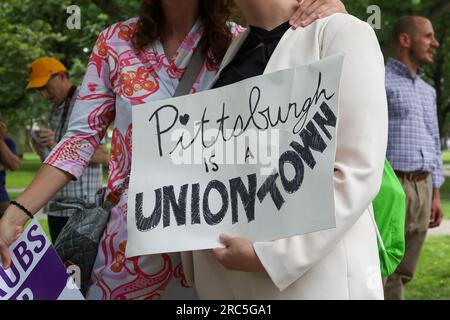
[[446, 156], [13, 195], [445, 198], [29, 166], [44, 225], [432, 280], [20, 179]]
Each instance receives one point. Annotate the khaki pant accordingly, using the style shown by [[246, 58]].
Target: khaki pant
[[418, 212]]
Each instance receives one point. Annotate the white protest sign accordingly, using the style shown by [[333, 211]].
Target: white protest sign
[[36, 272], [253, 159]]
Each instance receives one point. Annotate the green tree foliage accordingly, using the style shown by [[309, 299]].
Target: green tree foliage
[[30, 29]]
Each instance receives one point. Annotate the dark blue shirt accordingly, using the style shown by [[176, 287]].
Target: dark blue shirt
[[3, 194]]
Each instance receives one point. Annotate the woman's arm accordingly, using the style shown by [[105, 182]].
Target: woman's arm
[[92, 114]]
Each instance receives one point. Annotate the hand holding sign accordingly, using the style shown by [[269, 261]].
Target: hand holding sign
[[35, 271], [9, 232], [238, 254]]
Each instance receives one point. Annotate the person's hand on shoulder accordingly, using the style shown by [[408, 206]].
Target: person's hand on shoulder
[[238, 254], [310, 10]]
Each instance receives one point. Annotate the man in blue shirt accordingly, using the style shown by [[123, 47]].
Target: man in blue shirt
[[8, 160], [414, 148]]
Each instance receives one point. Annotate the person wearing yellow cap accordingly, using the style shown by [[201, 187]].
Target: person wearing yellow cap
[[50, 77]]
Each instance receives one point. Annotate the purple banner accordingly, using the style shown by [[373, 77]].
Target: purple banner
[[36, 271], [46, 282]]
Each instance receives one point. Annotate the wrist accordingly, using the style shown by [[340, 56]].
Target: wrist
[[436, 194], [22, 210], [256, 261], [15, 216]]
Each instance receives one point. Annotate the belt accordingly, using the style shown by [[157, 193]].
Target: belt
[[412, 176]]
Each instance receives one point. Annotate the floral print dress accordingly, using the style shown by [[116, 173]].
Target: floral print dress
[[117, 78]]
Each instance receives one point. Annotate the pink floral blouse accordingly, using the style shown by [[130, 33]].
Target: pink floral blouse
[[117, 78]]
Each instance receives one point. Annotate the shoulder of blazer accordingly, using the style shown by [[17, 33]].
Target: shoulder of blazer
[[327, 28], [343, 23], [323, 32]]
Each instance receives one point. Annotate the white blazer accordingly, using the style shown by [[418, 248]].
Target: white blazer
[[340, 263]]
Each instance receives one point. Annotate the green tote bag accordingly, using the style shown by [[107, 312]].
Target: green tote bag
[[389, 208]]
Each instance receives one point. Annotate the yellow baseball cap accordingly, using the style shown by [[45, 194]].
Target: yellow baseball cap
[[41, 71]]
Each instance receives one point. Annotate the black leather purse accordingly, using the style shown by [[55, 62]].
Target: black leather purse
[[78, 242]]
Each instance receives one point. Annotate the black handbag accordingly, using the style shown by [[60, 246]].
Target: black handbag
[[78, 242]]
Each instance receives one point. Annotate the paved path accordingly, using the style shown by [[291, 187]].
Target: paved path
[[447, 171], [442, 230], [20, 190]]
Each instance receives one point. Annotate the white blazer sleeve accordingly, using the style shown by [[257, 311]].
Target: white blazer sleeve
[[361, 149]]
